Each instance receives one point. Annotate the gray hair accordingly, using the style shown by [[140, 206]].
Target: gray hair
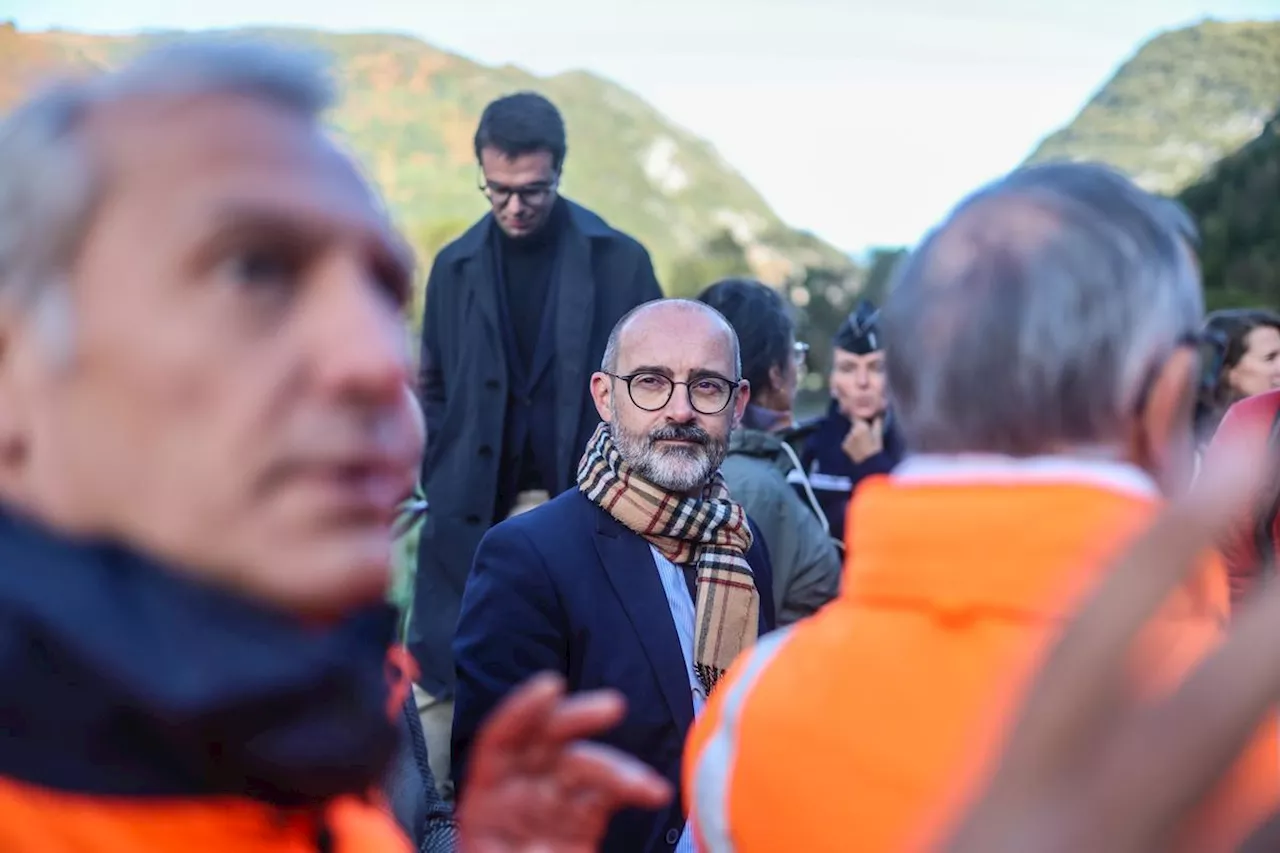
[[609, 363], [50, 183], [1032, 317]]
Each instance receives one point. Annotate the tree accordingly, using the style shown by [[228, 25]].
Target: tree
[[880, 272], [718, 257]]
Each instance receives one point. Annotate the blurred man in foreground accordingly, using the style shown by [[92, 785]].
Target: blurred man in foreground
[[1046, 393], [204, 436]]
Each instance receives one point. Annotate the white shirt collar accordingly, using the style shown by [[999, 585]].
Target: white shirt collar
[[995, 468]]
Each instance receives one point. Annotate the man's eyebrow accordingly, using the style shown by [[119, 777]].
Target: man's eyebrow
[[389, 255], [652, 368], [527, 185], [696, 373]]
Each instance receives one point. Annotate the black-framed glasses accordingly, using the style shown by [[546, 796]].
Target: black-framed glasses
[[708, 394], [533, 195]]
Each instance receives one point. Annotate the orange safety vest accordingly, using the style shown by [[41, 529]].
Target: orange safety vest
[[43, 820], [870, 725], [37, 819]]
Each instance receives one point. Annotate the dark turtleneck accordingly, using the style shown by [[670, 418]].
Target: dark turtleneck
[[528, 264]]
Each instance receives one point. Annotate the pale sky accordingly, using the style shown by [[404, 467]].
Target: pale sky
[[861, 120]]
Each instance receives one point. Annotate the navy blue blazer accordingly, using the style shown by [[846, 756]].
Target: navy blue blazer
[[565, 587]]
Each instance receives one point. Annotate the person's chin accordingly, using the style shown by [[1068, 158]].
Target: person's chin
[[520, 230], [329, 575]]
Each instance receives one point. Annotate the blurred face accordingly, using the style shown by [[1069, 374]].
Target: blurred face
[[235, 397], [1259, 368], [858, 384], [688, 354], [521, 190]]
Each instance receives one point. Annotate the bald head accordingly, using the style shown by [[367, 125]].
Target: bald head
[[671, 321], [670, 389], [1027, 322]]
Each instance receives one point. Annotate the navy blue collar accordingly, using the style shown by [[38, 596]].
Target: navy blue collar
[[120, 677]]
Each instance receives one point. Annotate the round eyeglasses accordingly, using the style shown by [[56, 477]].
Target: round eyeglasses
[[708, 394]]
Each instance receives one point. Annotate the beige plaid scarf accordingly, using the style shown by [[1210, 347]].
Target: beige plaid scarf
[[710, 532]]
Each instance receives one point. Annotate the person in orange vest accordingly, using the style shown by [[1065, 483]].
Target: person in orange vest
[[204, 439], [1088, 765], [1042, 364]]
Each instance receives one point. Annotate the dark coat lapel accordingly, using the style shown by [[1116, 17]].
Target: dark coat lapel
[[478, 267], [629, 565]]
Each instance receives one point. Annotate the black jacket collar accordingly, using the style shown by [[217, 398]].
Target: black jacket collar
[[120, 677], [476, 238]]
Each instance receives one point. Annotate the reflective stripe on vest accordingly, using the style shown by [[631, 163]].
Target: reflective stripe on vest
[[709, 808]]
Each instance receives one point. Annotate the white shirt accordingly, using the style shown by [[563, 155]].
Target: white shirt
[[683, 614]]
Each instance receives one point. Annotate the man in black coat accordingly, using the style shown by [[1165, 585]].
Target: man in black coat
[[518, 310]]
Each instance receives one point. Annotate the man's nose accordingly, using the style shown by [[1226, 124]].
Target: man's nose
[[362, 344], [678, 407]]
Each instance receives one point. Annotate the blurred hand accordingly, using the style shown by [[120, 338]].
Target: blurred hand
[[1089, 766], [864, 439], [534, 785]]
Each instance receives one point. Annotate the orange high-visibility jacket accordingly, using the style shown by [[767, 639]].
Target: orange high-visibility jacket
[[868, 726], [42, 820]]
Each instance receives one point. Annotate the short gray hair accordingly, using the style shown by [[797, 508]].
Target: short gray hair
[[1032, 317], [609, 362], [49, 182]]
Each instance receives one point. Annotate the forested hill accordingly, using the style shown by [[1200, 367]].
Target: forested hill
[[1238, 209], [1185, 100], [410, 110]]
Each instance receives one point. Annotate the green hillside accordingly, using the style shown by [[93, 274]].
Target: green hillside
[[1186, 99], [1238, 209], [409, 110]]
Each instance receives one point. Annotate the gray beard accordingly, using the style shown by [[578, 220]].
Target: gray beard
[[676, 469]]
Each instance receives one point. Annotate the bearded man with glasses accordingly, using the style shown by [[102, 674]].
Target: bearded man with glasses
[[517, 313], [647, 577]]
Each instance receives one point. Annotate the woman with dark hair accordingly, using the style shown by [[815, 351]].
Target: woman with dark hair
[[1247, 363], [1239, 405], [806, 564]]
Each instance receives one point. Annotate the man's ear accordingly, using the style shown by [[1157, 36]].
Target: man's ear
[[740, 399], [602, 394], [777, 378], [1162, 441]]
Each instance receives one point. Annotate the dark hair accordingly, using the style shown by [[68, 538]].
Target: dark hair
[[522, 123], [1229, 331], [762, 321]]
